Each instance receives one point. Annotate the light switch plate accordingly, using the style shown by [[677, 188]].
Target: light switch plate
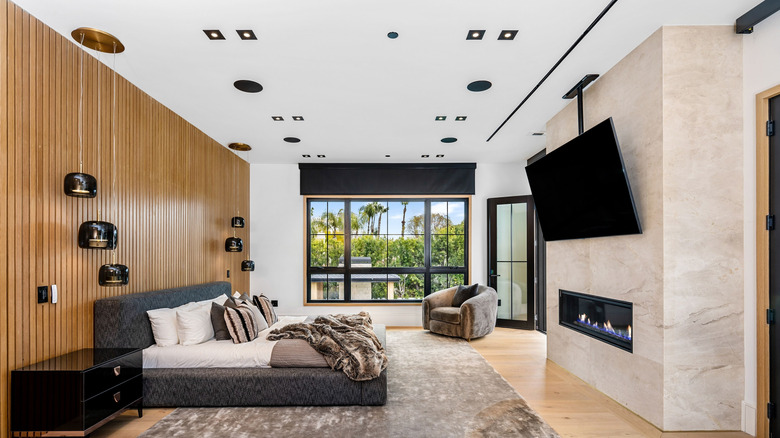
[[54, 294]]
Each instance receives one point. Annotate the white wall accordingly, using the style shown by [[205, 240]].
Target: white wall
[[761, 65], [277, 236]]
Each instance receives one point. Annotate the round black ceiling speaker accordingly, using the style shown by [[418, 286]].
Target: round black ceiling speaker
[[80, 185], [248, 86], [292, 139], [477, 86], [392, 35], [114, 275], [449, 140], [247, 265], [234, 244], [98, 235]]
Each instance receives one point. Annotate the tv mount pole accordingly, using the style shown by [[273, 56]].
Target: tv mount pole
[[576, 91]]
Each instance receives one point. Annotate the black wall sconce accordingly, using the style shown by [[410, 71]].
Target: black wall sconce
[[98, 235], [237, 222], [114, 275], [234, 244], [248, 265], [80, 185]]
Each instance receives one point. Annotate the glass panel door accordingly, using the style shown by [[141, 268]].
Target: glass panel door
[[510, 264]]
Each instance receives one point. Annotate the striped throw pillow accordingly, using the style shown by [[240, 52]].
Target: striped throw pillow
[[264, 304], [240, 323]]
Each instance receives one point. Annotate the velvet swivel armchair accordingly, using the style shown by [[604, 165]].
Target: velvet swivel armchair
[[475, 318]]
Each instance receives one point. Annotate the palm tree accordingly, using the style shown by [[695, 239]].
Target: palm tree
[[403, 218], [381, 209]]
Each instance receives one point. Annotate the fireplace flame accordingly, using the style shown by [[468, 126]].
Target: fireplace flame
[[605, 327]]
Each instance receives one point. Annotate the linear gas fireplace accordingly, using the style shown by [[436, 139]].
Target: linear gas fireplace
[[602, 318]]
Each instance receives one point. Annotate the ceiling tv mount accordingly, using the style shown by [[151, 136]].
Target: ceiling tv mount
[[576, 91]]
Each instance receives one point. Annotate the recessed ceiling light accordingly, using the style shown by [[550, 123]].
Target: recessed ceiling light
[[460, 118], [214, 34], [477, 86], [441, 118], [392, 35], [240, 147], [449, 140], [475, 34], [507, 35], [298, 118], [292, 139], [320, 156], [246, 34], [387, 156], [440, 156], [424, 156], [306, 156], [248, 86], [278, 118]]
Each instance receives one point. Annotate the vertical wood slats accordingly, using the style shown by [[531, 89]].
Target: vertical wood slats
[[175, 195]]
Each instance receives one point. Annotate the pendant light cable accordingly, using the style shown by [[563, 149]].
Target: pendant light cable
[[113, 144], [99, 137], [81, 106]]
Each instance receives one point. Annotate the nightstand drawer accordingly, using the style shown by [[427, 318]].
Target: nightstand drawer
[[112, 373], [103, 405]]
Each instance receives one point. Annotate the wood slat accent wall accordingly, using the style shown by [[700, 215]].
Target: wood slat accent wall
[[176, 190]]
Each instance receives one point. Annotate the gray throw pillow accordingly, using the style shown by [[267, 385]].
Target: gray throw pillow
[[218, 322], [464, 293]]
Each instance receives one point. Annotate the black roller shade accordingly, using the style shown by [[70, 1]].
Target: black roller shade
[[387, 179]]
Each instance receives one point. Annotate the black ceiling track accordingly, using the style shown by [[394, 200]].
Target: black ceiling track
[[745, 23], [592, 25]]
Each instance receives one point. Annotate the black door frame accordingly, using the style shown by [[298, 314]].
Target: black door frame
[[492, 203], [774, 269], [540, 264]]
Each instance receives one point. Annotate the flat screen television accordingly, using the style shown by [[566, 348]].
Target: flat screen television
[[581, 189]]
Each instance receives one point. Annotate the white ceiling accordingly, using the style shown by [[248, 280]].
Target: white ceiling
[[362, 94]]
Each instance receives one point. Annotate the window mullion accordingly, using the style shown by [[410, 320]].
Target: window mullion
[[427, 248], [347, 250]]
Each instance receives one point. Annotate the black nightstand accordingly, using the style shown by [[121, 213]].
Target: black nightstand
[[74, 394]]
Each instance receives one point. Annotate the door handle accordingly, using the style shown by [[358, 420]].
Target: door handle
[[117, 397], [495, 275], [117, 370]]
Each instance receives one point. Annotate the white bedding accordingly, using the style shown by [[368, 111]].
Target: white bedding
[[217, 354]]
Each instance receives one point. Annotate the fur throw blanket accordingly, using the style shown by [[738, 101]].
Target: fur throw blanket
[[348, 343]]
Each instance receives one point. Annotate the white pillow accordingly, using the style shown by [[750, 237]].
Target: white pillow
[[194, 325], [164, 327]]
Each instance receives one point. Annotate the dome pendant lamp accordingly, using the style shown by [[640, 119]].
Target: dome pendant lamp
[[113, 274], [80, 184]]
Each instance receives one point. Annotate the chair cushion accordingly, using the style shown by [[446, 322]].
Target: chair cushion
[[446, 314], [464, 293]]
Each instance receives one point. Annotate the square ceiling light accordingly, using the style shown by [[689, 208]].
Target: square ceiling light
[[441, 118], [460, 118], [214, 34], [298, 118], [507, 35], [246, 34], [277, 118], [475, 34]]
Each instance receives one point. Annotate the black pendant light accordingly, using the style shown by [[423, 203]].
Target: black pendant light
[[234, 244], [248, 265], [113, 275], [237, 222], [80, 184], [98, 235]]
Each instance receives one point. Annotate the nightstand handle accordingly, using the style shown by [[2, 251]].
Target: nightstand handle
[[117, 369], [117, 396]]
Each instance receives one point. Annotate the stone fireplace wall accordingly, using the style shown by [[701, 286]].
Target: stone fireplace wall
[[676, 101]]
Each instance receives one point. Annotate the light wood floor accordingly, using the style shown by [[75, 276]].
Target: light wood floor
[[569, 405]]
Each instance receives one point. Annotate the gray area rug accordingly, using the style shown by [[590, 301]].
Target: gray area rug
[[437, 387]]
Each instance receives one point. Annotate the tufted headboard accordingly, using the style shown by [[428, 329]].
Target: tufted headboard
[[121, 322]]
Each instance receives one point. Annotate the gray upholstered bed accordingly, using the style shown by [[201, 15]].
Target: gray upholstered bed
[[121, 322]]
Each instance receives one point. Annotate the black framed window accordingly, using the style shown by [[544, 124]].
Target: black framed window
[[385, 250]]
